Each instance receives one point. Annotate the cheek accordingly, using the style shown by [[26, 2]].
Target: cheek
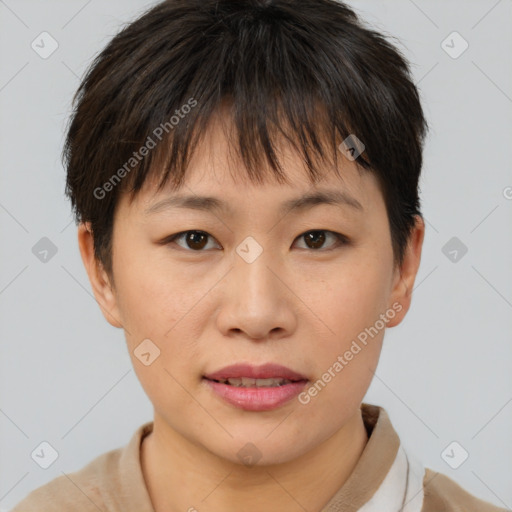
[[353, 298], [160, 307], [350, 307], [164, 304], [151, 296]]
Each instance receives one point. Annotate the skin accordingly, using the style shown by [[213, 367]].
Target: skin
[[295, 305]]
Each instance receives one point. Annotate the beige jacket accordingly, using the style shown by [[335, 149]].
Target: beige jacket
[[384, 476]]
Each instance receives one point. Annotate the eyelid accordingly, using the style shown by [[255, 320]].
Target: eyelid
[[170, 239]]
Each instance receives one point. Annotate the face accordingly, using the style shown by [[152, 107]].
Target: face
[[254, 283]]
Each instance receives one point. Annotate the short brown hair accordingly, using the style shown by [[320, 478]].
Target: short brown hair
[[274, 62]]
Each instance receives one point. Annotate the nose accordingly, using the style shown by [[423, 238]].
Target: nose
[[256, 300]]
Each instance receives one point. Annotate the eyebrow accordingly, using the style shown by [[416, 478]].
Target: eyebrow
[[209, 203]]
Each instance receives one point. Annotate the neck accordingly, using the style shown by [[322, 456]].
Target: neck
[[177, 482]]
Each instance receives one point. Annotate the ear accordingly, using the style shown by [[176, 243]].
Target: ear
[[405, 275], [98, 277]]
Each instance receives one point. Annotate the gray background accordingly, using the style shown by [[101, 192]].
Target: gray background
[[444, 375]]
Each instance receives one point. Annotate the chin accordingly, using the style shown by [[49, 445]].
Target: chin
[[258, 450]]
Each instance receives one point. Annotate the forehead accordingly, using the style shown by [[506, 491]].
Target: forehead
[[356, 199], [207, 189]]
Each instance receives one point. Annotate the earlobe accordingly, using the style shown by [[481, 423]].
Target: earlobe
[[98, 277], [405, 276]]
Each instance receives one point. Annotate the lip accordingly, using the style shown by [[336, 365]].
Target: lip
[[265, 371], [256, 399]]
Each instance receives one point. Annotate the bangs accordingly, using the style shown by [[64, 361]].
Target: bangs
[[261, 74], [255, 141]]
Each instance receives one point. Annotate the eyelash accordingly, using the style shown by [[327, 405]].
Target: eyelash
[[341, 240]]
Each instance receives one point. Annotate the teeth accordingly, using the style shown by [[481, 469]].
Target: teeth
[[246, 382]]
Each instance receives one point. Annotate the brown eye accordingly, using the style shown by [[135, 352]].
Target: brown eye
[[316, 239], [194, 239]]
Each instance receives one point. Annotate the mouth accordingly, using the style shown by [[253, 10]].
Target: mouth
[[247, 382], [247, 375], [254, 388]]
